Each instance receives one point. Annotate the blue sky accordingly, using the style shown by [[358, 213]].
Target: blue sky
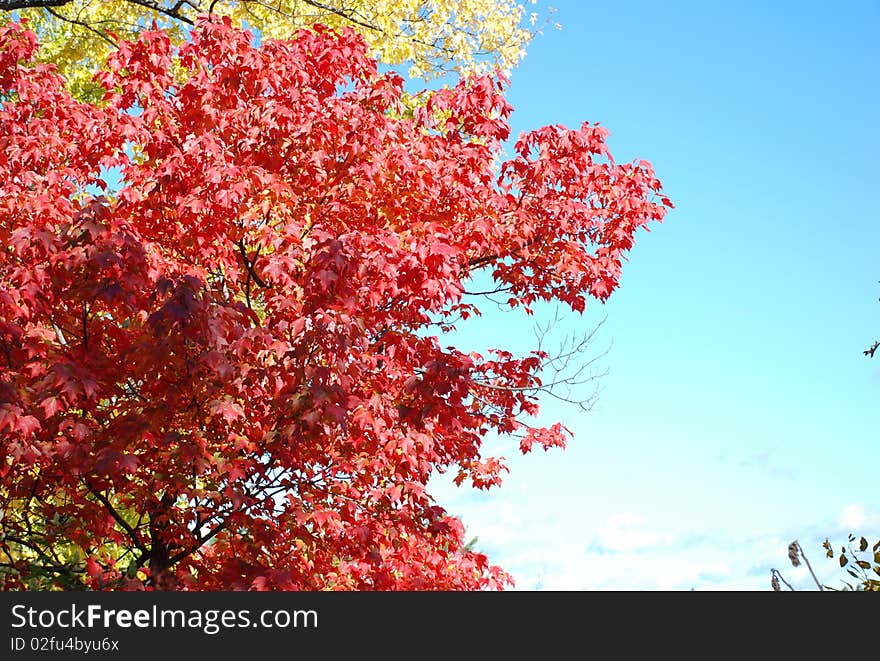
[[738, 413]]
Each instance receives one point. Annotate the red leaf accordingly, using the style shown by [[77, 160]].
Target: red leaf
[[51, 405], [27, 425], [228, 410], [93, 569]]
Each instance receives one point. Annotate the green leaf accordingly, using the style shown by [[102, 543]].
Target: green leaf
[[864, 564], [843, 561], [877, 557], [863, 544]]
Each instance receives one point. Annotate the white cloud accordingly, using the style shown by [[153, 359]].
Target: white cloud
[[625, 533], [853, 517], [579, 546], [499, 526], [685, 577]]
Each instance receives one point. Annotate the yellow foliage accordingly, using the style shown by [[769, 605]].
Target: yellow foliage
[[432, 37]]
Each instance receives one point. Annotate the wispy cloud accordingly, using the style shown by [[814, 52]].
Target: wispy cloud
[[760, 462], [626, 532]]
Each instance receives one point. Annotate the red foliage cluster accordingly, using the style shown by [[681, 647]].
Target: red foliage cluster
[[219, 369]]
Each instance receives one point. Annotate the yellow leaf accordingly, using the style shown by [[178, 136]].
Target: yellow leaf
[[432, 37]]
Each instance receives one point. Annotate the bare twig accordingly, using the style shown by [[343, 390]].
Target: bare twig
[[809, 567], [776, 576]]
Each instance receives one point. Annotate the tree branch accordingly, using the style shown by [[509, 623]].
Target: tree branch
[[88, 27], [172, 12], [250, 263], [85, 325], [327, 8], [132, 533], [12, 5]]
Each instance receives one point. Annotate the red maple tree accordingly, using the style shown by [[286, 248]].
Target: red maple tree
[[220, 372]]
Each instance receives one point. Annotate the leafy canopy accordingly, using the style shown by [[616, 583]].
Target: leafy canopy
[[432, 36], [226, 371]]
